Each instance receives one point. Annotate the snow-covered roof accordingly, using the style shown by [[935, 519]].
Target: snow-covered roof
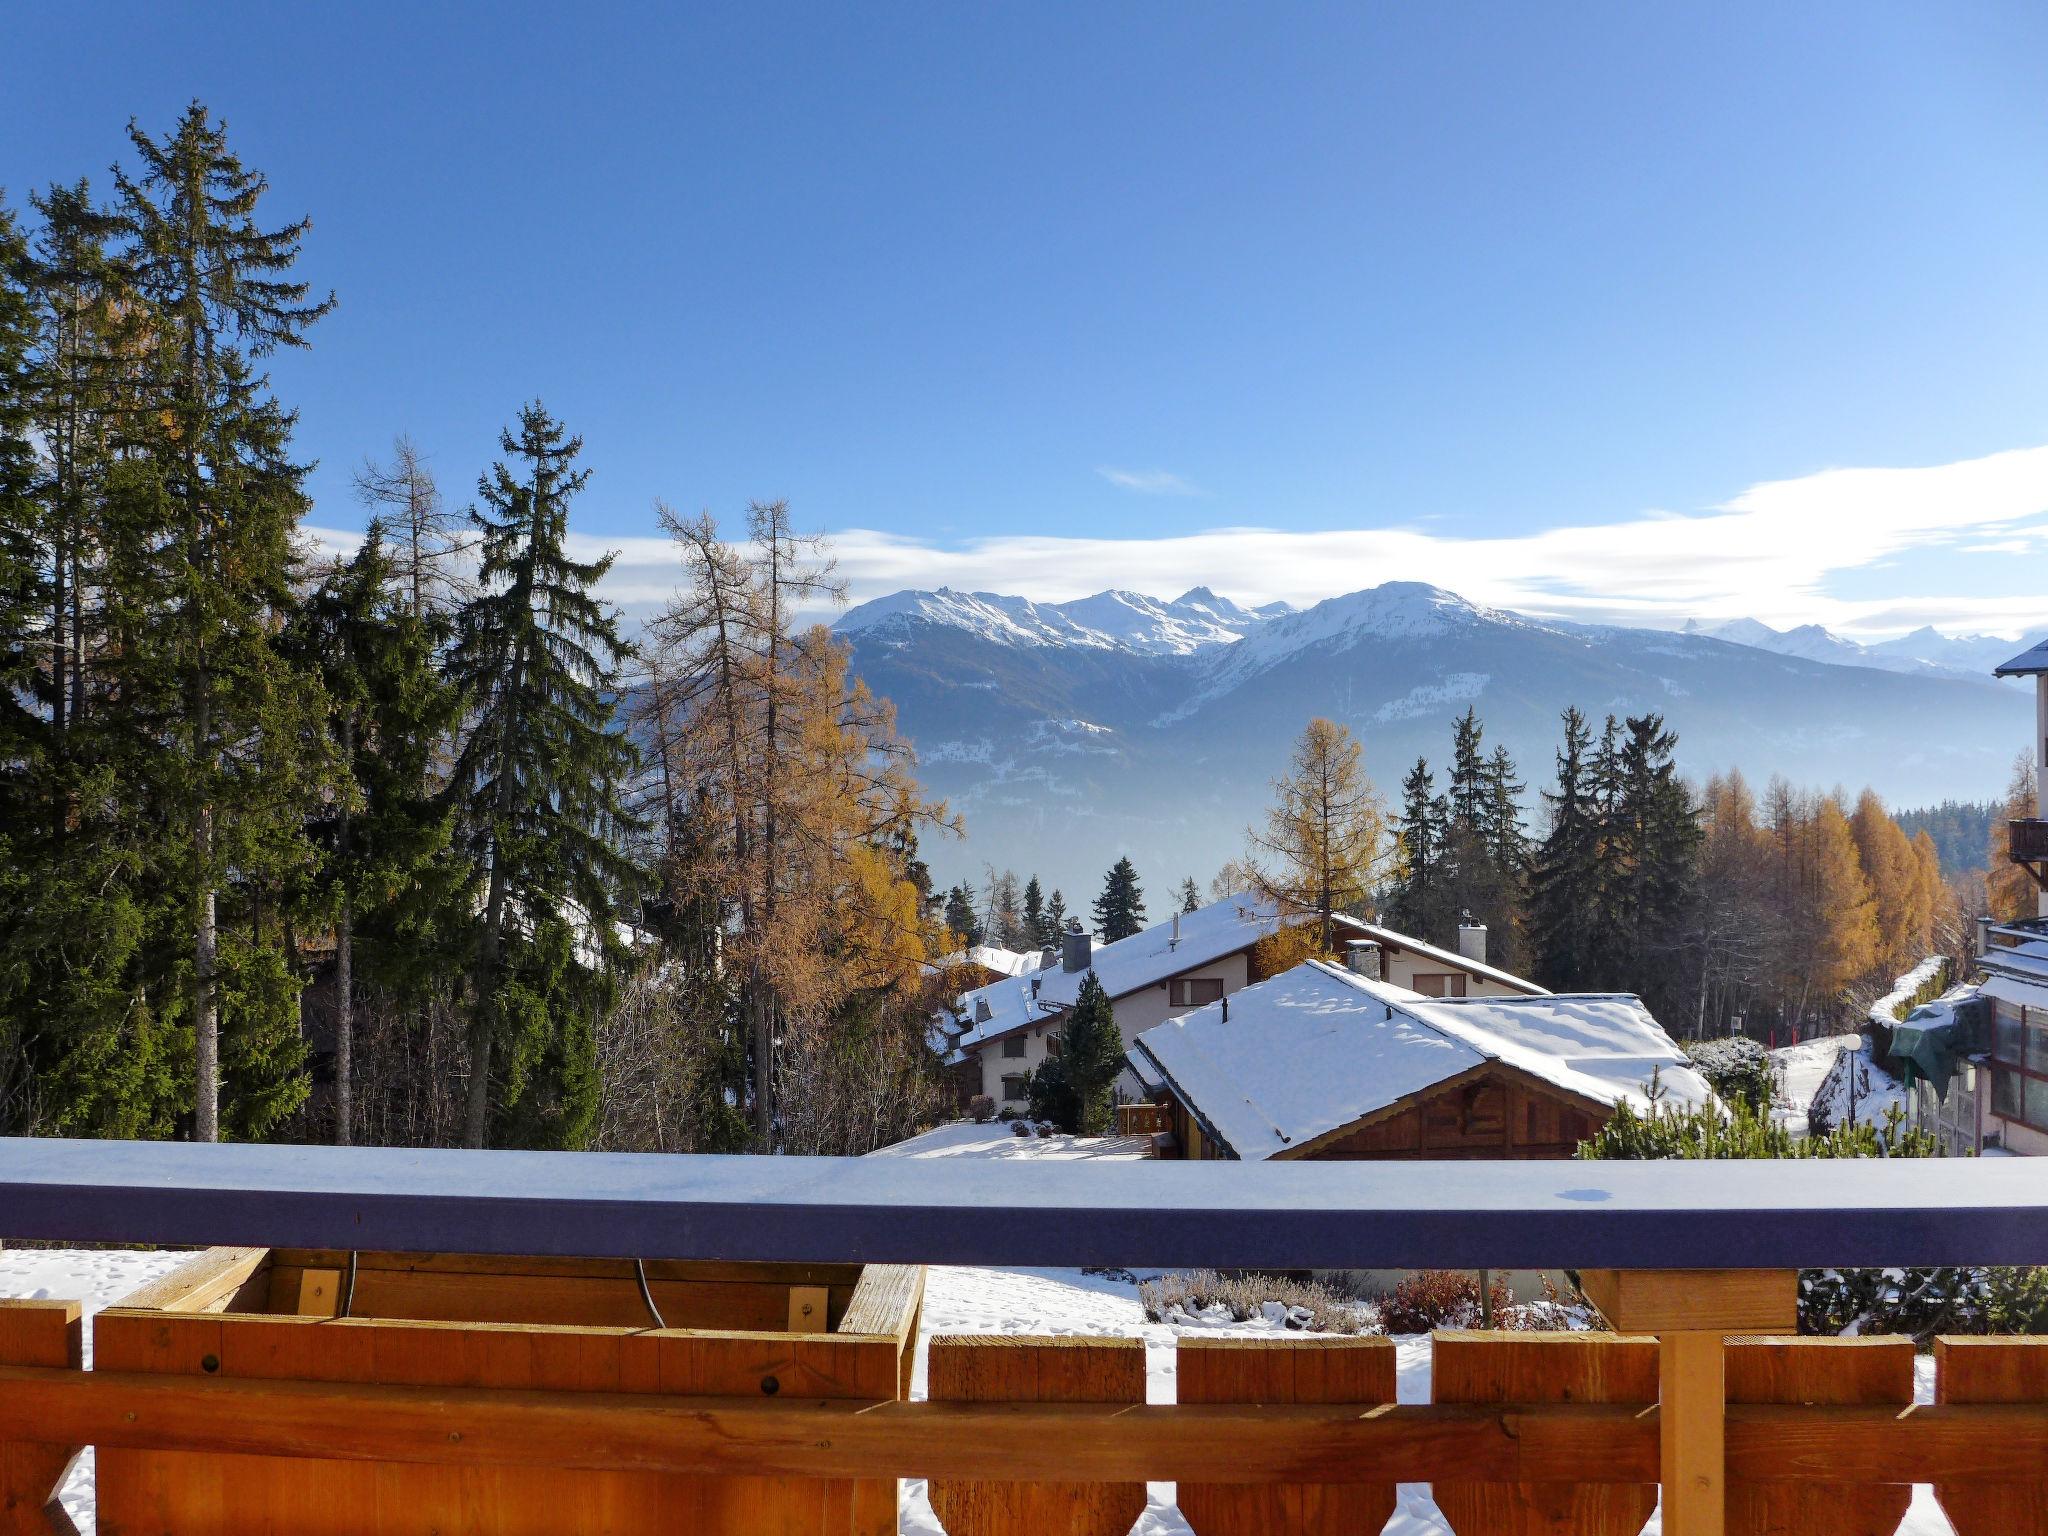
[[2033, 660], [2025, 962], [1319, 1047], [1389, 939], [999, 1139], [1129, 965]]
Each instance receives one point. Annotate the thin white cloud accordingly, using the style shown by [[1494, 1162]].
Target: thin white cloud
[[1774, 552], [1147, 482]]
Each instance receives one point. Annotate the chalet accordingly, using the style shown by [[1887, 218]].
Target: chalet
[[998, 1033], [1323, 1062]]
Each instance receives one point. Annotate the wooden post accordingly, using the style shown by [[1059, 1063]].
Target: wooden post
[[1993, 1371], [44, 1333], [1692, 1312], [1037, 1370], [1290, 1369]]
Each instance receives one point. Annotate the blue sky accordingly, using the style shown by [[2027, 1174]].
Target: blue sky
[[1409, 290]]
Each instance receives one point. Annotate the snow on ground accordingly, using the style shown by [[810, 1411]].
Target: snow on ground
[[98, 1279], [957, 1300], [1813, 1070]]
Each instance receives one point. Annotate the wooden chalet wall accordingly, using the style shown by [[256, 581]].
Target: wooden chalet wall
[[1492, 1111]]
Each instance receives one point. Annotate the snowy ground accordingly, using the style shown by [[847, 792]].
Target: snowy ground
[[1012, 1301], [1803, 1072], [999, 1139]]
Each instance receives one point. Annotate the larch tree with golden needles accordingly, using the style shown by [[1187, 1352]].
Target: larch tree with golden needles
[[1325, 839], [2010, 889]]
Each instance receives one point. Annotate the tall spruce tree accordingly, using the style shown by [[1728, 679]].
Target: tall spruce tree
[[538, 788], [210, 504], [1650, 862], [1036, 924], [387, 881], [1190, 896], [960, 916], [1120, 909], [1419, 899], [1566, 927], [1056, 915], [1075, 1088]]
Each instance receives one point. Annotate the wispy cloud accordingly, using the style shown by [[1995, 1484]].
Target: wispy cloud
[[1147, 482], [1774, 552]]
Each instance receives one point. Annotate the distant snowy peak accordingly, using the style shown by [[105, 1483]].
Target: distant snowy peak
[[1923, 653], [1113, 620]]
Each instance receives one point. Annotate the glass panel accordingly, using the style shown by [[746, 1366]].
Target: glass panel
[[2037, 1040], [2006, 1036], [2037, 1103], [2005, 1095]]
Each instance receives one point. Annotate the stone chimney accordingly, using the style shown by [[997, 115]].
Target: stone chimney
[[1363, 957], [1048, 957], [1472, 941], [1077, 947]]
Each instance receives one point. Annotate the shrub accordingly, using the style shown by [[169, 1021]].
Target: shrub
[[1442, 1298], [982, 1108], [1736, 1068], [1312, 1306], [1632, 1135]]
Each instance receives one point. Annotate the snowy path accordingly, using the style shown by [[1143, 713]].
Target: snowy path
[[1013, 1301]]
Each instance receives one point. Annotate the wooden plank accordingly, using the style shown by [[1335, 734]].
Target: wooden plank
[[1692, 1406], [807, 1308], [688, 1271], [303, 1483], [1292, 1370], [885, 1301], [45, 1335], [1993, 1371], [1580, 1368], [1867, 1372], [498, 1424], [319, 1293], [1749, 1301], [208, 1277], [1036, 1370]]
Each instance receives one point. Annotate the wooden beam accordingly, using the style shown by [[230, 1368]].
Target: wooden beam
[[783, 1437], [48, 1336], [1750, 1301], [1692, 1407], [211, 1276]]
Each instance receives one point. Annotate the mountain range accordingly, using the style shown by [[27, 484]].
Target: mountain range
[[1072, 733]]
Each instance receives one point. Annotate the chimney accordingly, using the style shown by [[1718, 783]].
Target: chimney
[[1048, 957], [1076, 947], [1362, 956], [982, 1012], [1174, 942], [1472, 941]]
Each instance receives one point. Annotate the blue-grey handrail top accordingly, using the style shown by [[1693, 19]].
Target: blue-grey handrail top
[[1804, 1214]]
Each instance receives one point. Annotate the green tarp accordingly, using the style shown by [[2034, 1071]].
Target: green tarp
[[1930, 1042]]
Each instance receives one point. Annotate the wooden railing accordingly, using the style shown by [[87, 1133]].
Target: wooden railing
[[1699, 1398], [1141, 1119]]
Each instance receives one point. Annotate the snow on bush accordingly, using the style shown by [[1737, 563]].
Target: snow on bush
[[1202, 1297]]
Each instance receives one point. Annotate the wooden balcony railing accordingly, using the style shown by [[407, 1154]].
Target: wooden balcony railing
[[2026, 841], [1584, 1432]]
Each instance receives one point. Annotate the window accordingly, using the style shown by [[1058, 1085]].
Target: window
[[1439, 983], [1013, 1088], [1193, 991], [2019, 1048], [1014, 1047]]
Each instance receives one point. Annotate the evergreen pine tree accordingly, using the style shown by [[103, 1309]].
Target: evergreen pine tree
[[1120, 909], [961, 918], [1651, 864], [1565, 885], [389, 884], [1056, 915], [1190, 896], [538, 786], [1419, 901], [208, 504], [1036, 924], [1075, 1088]]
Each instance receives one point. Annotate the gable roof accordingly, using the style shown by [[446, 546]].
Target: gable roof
[[1318, 1047], [1387, 938], [1145, 959], [2033, 660]]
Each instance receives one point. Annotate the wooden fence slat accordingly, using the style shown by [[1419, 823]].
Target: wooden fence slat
[[1036, 1370], [1286, 1370], [1862, 1372], [38, 1333], [1993, 1371], [1544, 1368]]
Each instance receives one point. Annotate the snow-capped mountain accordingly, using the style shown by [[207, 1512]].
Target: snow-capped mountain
[[1110, 621], [1070, 733], [1925, 650]]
